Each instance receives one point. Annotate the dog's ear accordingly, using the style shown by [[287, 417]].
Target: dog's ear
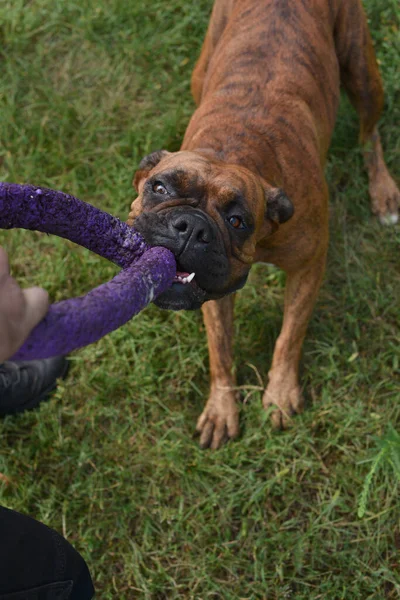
[[146, 165], [279, 208]]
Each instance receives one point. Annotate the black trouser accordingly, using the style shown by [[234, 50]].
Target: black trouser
[[37, 563]]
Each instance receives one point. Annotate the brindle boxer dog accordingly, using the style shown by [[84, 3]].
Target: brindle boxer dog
[[248, 184]]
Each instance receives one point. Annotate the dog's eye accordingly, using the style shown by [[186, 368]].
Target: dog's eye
[[158, 188], [236, 222]]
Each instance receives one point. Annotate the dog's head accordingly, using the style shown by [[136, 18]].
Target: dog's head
[[211, 215]]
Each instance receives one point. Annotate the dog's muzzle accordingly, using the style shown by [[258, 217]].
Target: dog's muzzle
[[203, 266]]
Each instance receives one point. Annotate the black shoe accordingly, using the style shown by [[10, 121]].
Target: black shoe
[[25, 384]]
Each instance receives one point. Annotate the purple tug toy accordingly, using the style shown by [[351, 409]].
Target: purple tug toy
[[77, 322]]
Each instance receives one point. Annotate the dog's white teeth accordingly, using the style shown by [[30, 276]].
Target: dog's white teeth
[[187, 279]]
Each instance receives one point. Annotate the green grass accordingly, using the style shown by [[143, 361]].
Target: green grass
[[86, 89]]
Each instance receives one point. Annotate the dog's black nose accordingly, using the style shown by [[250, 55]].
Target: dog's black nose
[[193, 227]]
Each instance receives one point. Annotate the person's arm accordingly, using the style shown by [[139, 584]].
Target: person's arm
[[20, 310]]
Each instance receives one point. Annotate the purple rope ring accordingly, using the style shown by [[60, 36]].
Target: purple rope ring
[[77, 322]]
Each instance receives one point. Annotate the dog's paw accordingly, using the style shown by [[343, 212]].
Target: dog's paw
[[219, 420], [385, 197], [286, 400]]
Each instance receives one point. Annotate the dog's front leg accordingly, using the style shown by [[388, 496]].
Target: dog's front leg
[[220, 419], [283, 391]]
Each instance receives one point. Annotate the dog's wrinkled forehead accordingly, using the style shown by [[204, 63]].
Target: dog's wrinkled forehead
[[192, 175]]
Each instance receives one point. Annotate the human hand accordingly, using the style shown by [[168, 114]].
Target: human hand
[[20, 310]]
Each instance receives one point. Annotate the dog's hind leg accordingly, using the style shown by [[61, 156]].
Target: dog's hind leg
[[361, 79]]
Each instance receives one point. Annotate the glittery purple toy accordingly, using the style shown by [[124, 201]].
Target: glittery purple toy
[[77, 322]]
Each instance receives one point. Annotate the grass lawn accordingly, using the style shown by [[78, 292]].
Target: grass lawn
[[86, 89]]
